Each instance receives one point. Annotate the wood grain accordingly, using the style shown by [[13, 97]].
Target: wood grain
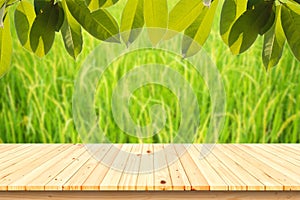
[[150, 167], [191, 195]]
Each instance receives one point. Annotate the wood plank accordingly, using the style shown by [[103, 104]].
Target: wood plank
[[129, 177], [253, 166], [27, 164], [13, 153], [145, 179], [5, 149], [195, 176], [278, 170], [63, 176], [291, 148], [17, 156], [179, 179], [100, 171], [162, 180], [113, 176], [295, 145], [213, 178], [76, 181], [282, 154], [148, 167], [253, 184], [34, 179], [50, 173], [191, 195], [230, 178]]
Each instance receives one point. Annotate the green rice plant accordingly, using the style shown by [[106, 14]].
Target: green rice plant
[[36, 97]]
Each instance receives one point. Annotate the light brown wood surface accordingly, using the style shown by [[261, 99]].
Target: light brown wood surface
[[150, 167], [161, 195]]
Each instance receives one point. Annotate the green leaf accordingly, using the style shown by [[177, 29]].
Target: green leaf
[[274, 41], [109, 3], [252, 3], [184, 14], [43, 30], [156, 16], [2, 14], [99, 24], [61, 17], [231, 10], [199, 30], [291, 26], [293, 6], [96, 4], [7, 2], [11, 1], [246, 28], [5, 47], [298, 1], [24, 17], [156, 13], [268, 24], [39, 5], [71, 34], [132, 18]]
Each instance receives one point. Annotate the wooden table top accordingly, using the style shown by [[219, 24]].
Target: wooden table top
[[228, 167]]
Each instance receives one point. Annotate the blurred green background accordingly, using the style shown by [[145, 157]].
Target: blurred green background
[[36, 96]]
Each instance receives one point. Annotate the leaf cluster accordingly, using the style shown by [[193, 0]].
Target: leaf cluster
[[242, 21]]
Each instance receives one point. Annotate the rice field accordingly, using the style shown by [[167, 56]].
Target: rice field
[[263, 107]]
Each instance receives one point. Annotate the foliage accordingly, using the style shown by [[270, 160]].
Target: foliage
[[242, 21], [261, 107]]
